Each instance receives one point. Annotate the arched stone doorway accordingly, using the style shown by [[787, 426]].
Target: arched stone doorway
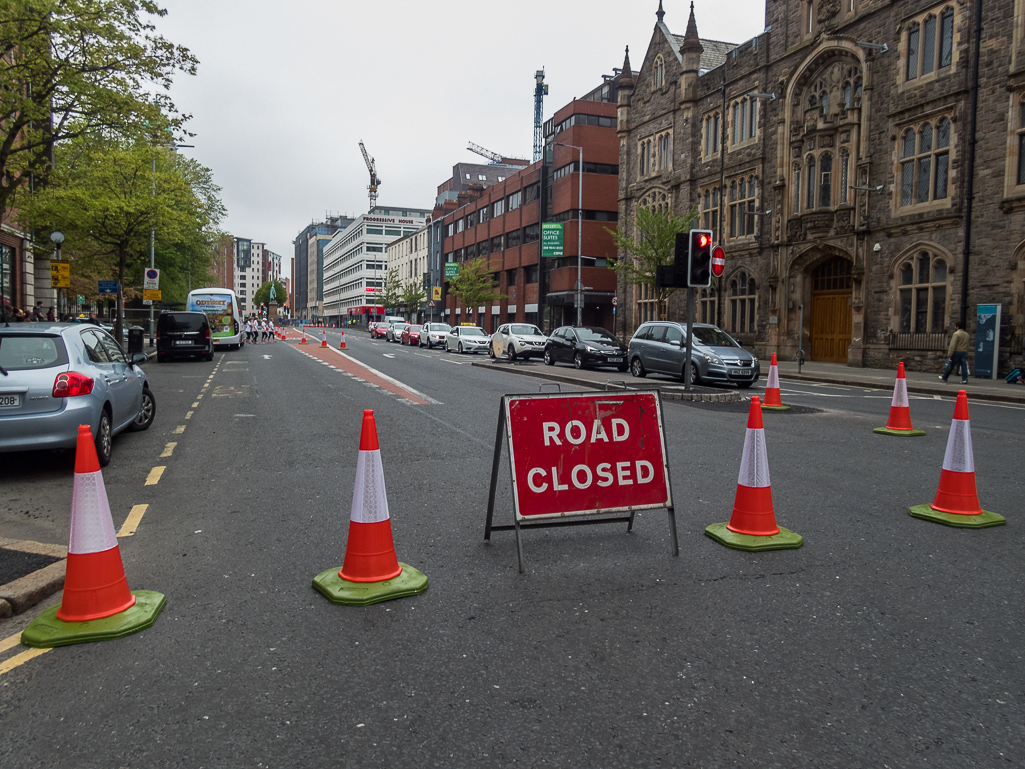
[[831, 294]]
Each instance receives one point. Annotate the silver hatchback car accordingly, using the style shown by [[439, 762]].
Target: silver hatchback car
[[660, 347], [57, 376]]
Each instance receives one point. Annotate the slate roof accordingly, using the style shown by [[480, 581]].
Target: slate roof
[[715, 52]]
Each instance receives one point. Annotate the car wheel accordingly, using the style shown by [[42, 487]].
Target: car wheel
[[209, 356], [578, 360], [694, 378], [147, 412], [460, 348], [549, 360], [491, 352], [104, 439], [510, 353], [637, 368]]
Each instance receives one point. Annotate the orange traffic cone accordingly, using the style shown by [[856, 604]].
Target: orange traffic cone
[[303, 341], [957, 501], [371, 571], [324, 343], [899, 422], [753, 523], [341, 345], [97, 603], [772, 399]]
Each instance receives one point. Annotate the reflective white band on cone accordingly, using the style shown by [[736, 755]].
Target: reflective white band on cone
[[900, 393], [369, 501], [754, 464], [92, 528], [773, 379], [958, 457]]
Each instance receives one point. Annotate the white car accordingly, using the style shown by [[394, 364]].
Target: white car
[[517, 340], [467, 339], [433, 334]]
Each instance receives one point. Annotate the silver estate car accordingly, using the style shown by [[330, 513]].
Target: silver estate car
[[466, 339], [57, 376], [517, 340], [660, 347]]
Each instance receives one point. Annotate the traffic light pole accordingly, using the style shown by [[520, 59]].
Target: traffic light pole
[[688, 370]]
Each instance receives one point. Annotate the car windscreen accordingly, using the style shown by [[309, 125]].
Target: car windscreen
[[470, 331], [439, 327], [182, 322], [21, 352], [415, 328], [596, 335], [713, 337], [523, 329]]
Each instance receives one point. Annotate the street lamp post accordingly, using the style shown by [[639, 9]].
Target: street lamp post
[[579, 289]]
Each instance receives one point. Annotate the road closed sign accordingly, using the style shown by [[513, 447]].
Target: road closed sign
[[584, 454]]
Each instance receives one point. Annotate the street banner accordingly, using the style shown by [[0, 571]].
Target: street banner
[[151, 279], [60, 274], [575, 455], [551, 239], [436, 292]]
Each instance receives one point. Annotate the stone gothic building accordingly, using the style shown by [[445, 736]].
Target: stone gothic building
[[841, 161]]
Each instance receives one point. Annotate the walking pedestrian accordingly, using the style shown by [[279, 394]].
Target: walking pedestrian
[[50, 315], [37, 313], [957, 352]]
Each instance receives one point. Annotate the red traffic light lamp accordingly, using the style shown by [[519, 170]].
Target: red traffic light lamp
[[718, 261], [699, 261]]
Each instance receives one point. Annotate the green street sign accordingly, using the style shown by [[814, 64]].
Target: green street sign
[[451, 270], [551, 239]]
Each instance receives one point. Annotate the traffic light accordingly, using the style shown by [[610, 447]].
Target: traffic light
[[699, 259]]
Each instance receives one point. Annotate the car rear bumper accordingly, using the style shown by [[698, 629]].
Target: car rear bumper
[[49, 430]]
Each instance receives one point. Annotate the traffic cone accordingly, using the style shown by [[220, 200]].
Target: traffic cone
[[371, 571], [97, 604], [303, 340], [772, 400], [899, 422], [324, 343], [341, 345], [957, 501], [753, 523]]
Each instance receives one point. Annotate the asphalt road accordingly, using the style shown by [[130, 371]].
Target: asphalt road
[[884, 641]]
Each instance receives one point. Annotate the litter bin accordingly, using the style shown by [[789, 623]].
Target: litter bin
[[135, 336]]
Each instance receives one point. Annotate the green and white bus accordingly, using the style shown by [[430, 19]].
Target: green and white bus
[[220, 305]]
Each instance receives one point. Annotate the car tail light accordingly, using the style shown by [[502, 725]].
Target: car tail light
[[158, 333], [70, 384], [207, 332]]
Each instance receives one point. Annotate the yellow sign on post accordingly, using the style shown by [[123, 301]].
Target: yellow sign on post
[[435, 292], [152, 295], [60, 274]]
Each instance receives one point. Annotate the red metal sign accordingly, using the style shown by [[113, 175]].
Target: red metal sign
[[584, 454], [718, 261]]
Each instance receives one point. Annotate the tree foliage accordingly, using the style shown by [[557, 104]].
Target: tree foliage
[[392, 294], [475, 285], [78, 68], [414, 297], [653, 246]]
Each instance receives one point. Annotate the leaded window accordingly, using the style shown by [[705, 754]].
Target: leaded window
[[925, 163], [742, 304], [922, 293]]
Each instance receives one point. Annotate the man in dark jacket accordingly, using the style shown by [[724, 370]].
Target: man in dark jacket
[[957, 351]]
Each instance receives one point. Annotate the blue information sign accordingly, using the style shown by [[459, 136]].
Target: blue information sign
[[108, 286], [987, 340]]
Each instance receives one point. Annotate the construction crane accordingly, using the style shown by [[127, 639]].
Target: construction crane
[[375, 181], [494, 157], [540, 91]]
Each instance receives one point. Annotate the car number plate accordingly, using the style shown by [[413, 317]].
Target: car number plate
[[615, 360], [10, 401], [182, 341], [737, 372]]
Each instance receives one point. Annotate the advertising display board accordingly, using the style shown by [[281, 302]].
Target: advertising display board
[[551, 239], [987, 340], [582, 454]]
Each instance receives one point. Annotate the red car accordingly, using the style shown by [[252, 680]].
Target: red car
[[378, 330], [411, 335]]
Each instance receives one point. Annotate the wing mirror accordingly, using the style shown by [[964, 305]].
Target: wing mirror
[[139, 358]]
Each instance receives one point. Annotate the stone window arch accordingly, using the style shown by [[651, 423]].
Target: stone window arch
[[658, 78], [922, 287], [656, 200], [741, 293]]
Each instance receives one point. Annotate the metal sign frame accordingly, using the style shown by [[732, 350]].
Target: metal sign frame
[[576, 517]]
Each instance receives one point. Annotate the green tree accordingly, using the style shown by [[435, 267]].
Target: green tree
[[75, 68], [392, 294], [414, 297], [475, 285], [107, 198], [653, 246], [263, 294]]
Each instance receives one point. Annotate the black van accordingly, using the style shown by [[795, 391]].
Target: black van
[[183, 333]]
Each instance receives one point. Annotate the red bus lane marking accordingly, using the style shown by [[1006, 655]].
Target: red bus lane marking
[[336, 359]]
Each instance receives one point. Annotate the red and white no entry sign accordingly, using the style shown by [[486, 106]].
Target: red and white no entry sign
[[718, 261]]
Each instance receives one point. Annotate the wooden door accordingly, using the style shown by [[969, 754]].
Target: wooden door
[[831, 311]]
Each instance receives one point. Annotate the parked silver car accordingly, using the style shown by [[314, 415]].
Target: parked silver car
[[517, 340], [57, 376], [466, 339], [660, 347], [433, 335], [394, 331]]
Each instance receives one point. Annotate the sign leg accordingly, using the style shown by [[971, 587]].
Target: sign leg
[[494, 472], [672, 530]]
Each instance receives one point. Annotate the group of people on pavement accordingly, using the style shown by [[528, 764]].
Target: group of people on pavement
[[260, 331], [16, 315]]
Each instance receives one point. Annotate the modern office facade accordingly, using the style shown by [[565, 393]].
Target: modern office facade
[[355, 263], [406, 258], [869, 200], [308, 265]]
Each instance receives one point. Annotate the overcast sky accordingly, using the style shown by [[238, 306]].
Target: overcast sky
[[286, 89]]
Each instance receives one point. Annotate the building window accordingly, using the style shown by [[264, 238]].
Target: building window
[[656, 201], [925, 163], [645, 303], [713, 133], [1016, 147], [742, 304], [743, 120], [531, 233], [658, 72], [825, 180], [707, 306], [646, 157], [665, 151], [512, 239], [741, 206], [810, 200], [845, 162], [482, 214], [498, 208], [709, 200], [497, 243], [929, 44], [531, 193], [514, 200], [922, 293], [460, 224], [471, 219], [797, 188]]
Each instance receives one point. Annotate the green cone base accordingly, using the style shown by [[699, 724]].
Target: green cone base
[[784, 540], [338, 590], [46, 630], [901, 433], [982, 521], [775, 408]]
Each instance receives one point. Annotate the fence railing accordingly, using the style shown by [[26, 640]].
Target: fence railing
[[901, 340]]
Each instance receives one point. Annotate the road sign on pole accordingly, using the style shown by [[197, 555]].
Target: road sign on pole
[[151, 280], [718, 261]]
